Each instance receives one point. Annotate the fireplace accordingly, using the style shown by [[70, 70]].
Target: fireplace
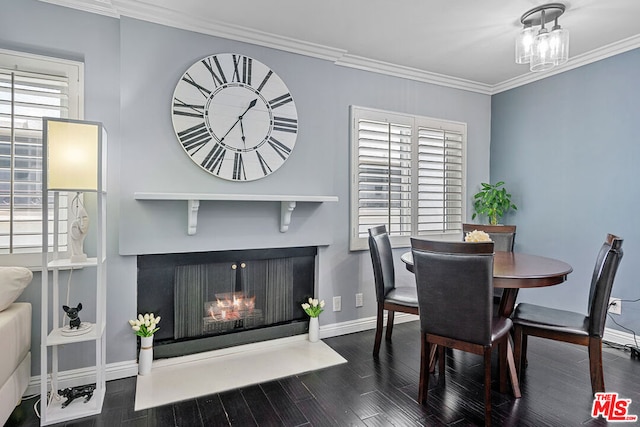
[[212, 300]]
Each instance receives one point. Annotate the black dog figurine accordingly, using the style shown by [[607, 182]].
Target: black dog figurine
[[72, 313], [75, 392]]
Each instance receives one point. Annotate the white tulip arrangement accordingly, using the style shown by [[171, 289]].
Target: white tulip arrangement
[[314, 307], [145, 325]]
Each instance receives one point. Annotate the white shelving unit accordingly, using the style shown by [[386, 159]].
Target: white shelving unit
[[56, 262]]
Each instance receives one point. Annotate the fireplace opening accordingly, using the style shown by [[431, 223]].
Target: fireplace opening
[[212, 300]]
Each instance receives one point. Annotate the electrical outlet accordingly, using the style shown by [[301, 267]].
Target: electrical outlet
[[615, 306], [359, 300], [337, 303]]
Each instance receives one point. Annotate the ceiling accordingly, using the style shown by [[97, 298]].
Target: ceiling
[[462, 43]]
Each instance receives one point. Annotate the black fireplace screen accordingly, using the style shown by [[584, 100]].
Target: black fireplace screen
[[223, 297], [201, 296]]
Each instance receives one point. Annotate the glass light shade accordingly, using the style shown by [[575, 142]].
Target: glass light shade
[[72, 155], [559, 45], [541, 52], [524, 41]]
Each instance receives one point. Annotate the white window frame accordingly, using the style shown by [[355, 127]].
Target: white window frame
[[357, 239], [73, 71]]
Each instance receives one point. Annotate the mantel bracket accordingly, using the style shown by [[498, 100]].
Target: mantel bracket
[[286, 209], [192, 216]]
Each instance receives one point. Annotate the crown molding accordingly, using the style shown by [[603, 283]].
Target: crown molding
[[100, 7], [170, 18], [604, 52], [149, 12], [366, 64]]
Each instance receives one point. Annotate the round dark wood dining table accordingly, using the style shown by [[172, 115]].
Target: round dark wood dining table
[[515, 270]]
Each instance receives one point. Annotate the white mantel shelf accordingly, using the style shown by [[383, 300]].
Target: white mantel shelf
[[287, 203]]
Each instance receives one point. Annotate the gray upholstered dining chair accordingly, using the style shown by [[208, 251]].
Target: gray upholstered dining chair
[[569, 326], [389, 296], [454, 281], [503, 237]]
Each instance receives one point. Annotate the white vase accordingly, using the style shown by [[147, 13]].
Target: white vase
[[314, 329], [145, 358]]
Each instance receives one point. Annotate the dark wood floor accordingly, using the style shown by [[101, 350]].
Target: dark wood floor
[[366, 392]]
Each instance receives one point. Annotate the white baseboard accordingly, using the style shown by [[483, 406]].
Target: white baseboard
[[619, 337], [76, 377], [359, 325], [129, 368]]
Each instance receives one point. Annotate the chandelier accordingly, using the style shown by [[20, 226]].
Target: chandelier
[[538, 47]]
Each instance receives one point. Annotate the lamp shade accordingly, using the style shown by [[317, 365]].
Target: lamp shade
[[523, 45], [559, 45], [541, 52], [72, 149]]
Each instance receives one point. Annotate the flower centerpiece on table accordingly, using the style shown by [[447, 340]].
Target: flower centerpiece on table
[[145, 325], [314, 307], [477, 236]]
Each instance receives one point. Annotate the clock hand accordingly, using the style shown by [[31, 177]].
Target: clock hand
[[251, 105], [232, 126], [243, 137]]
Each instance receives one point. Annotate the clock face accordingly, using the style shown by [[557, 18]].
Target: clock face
[[234, 117]]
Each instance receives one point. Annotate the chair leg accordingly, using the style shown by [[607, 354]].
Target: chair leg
[[513, 375], [487, 386], [517, 348], [595, 365], [520, 349], [432, 358], [502, 364], [441, 362], [379, 326], [390, 317], [425, 351]]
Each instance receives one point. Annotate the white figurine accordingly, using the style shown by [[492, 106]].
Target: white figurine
[[79, 228]]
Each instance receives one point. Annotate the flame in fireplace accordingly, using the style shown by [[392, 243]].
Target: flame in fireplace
[[231, 306]]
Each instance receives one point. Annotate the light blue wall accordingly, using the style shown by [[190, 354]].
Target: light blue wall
[[131, 70], [567, 147]]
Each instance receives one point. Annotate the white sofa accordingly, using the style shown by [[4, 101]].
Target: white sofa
[[15, 336]]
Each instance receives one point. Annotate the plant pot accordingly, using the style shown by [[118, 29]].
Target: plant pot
[[314, 329], [145, 358]]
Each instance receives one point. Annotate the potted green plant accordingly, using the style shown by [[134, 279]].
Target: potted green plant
[[492, 201]]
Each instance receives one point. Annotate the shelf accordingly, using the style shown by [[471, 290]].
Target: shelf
[[76, 409], [67, 264], [56, 337], [287, 203]]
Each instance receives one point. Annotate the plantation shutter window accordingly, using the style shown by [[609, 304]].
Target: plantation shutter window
[[25, 98], [407, 173]]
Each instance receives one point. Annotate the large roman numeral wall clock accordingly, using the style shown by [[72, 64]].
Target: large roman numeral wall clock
[[234, 117]]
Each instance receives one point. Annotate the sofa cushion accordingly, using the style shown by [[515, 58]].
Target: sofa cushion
[[13, 280], [15, 336]]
